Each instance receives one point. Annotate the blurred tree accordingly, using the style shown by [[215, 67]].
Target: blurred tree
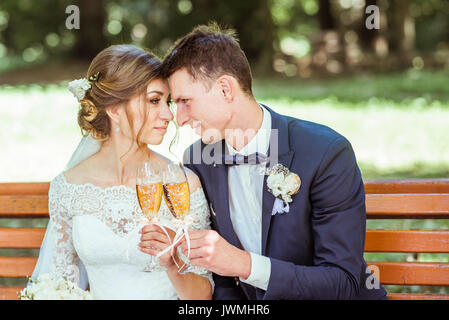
[[325, 16], [366, 35], [289, 35], [251, 18], [26, 25], [90, 39], [403, 27]]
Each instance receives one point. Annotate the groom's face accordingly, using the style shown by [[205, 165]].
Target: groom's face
[[200, 104]]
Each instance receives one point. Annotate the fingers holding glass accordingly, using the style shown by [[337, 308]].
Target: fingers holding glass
[[154, 241]]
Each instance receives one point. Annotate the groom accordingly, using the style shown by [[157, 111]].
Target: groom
[[260, 247]]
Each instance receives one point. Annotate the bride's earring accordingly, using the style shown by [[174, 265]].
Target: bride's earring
[[117, 129]]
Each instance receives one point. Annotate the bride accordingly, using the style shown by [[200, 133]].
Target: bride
[[93, 233]]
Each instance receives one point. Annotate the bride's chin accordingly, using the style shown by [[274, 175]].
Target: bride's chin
[[155, 141]]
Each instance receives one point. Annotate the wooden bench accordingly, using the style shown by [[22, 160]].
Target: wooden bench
[[391, 199]]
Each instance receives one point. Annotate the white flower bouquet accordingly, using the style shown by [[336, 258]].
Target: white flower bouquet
[[48, 287]]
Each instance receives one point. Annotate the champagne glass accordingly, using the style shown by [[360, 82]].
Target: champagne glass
[[176, 190], [149, 189], [176, 193], [149, 193]]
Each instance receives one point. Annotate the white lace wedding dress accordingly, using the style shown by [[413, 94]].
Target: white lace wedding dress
[[98, 229]]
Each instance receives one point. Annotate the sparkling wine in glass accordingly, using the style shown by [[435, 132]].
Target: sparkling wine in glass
[[150, 197], [177, 196], [149, 189], [149, 193], [176, 191]]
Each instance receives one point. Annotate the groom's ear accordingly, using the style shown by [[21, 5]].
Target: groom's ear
[[226, 85]]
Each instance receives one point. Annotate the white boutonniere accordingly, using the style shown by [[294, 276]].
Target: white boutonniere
[[283, 184]]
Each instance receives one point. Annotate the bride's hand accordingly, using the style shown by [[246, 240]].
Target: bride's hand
[[153, 240]]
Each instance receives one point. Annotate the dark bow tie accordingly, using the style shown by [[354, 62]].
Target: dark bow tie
[[236, 159]]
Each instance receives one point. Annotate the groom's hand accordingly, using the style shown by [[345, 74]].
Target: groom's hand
[[211, 251]]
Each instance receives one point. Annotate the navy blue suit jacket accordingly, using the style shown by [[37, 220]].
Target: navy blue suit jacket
[[316, 249]]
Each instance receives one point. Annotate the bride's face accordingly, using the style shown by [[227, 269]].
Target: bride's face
[[150, 114]]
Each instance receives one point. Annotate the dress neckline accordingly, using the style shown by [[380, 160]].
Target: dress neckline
[[119, 187], [104, 189]]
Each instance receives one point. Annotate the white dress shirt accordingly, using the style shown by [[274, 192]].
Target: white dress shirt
[[245, 203]]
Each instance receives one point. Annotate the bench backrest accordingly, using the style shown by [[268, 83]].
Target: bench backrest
[[409, 199], [391, 199]]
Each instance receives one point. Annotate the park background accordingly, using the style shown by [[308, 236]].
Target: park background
[[386, 89]]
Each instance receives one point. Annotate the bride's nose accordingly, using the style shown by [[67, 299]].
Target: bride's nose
[[165, 113]]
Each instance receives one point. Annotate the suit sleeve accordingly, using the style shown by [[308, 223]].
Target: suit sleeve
[[337, 198], [225, 287]]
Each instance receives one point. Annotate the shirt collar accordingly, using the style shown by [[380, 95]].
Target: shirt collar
[[260, 142]]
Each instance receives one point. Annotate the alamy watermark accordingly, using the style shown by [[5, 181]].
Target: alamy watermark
[[372, 281], [373, 20], [73, 20]]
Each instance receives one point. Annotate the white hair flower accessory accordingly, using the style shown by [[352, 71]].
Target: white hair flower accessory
[[79, 88]]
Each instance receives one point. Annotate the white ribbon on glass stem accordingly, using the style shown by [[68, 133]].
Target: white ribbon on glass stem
[[181, 231]]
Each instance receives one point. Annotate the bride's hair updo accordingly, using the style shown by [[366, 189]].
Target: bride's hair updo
[[116, 74]]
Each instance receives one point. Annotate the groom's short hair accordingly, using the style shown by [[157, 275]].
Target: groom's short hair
[[209, 52]]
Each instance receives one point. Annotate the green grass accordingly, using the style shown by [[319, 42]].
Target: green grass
[[402, 88], [388, 142], [398, 124]]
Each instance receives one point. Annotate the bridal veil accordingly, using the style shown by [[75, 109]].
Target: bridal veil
[[87, 147]]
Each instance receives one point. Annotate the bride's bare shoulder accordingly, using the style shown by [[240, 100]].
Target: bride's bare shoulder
[[81, 173]]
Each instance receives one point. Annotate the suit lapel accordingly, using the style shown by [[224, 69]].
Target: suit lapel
[[221, 189], [221, 203], [281, 140]]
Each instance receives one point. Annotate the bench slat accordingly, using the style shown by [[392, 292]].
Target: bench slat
[[17, 267], [412, 296], [430, 241], [371, 187], [378, 205], [413, 273], [25, 188], [9, 293], [28, 206], [407, 186], [21, 238], [407, 205]]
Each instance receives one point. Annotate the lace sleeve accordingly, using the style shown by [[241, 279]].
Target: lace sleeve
[[199, 211], [65, 259]]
